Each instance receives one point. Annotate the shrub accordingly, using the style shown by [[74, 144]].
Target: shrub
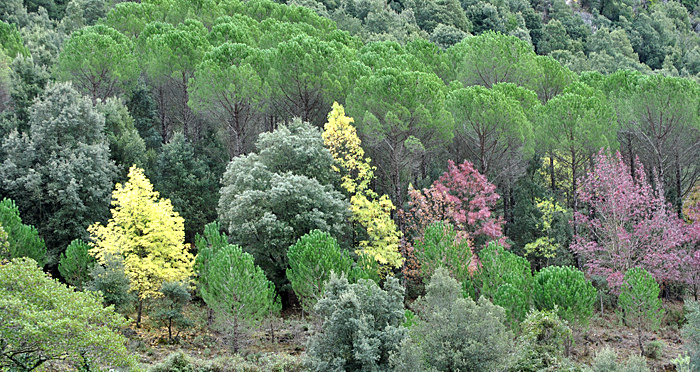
[[311, 260], [169, 308], [545, 339], [267, 362], [691, 332], [24, 240], [640, 303], [654, 349], [111, 281], [566, 288], [361, 326], [76, 263], [606, 361], [439, 342], [442, 247]]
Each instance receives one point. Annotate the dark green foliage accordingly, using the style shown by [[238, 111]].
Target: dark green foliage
[[180, 175], [23, 240], [312, 259], [439, 343], [126, 147], [654, 349], [691, 332], [112, 282], [545, 339], [59, 173], [142, 108], [362, 326], [76, 263], [566, 289], [169, 308], [640, 303], [29, 80]]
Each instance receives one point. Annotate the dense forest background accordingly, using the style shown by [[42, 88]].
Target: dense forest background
[[566, 132]]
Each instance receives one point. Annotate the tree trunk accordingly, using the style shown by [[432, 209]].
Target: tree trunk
[[551, 172], [170, 329], [138, 313]]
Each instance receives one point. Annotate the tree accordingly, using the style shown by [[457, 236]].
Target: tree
[[22, 240], [691, 332], [361, 326], [170, 305], [110, 67], [625, 224], [11, 41], [59, 173], [441, 246], [639, 300], [369, 210], [402, 119], [564, 290], [547, 245], [238, 290], [111, 281], [271, 198], [181, 175], [46, 321], [76, 263], [126, 147], [437, 345], [227, 87], [147, 234], [312, 259]]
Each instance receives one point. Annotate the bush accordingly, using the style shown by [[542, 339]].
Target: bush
[[566, 288], [691, 333], [111, 281], [76, 263], [24, 240], [361, 326], [654, 349], [311, 260], [640, 303], [268, 362], [455, 334], [545, 339], [169, 308], [606, 361]]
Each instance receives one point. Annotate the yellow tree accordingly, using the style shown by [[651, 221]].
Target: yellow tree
[[369, 210], [147, 234]]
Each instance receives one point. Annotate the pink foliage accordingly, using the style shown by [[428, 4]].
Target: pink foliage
[[626, 224]]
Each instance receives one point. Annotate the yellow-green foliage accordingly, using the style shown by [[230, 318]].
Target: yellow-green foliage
[[545, 246], [147, 233], [369, 210]]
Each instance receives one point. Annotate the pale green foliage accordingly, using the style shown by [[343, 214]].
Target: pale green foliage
[[691, 333], [362, 326], [237, 290], [441, 247], [256, 362], [565, 289], [312, 259], [76, 263], [606, 361], [639, 300], [439, 343], [545, 339], [21, 240], [44, 320]]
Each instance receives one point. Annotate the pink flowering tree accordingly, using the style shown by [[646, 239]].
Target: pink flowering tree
[[625, 223]]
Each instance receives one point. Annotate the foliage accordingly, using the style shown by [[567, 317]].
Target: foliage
[[22, 240], [567, 290], [627, 224], [606, 361], [312, 259], [546, 246], [59, 172], [639, 300], [362, 326], [691, 332], [11, 41], [654, 349], [237, 290], [126, 147], [113, 284], [369, 210], [442, 247], [169, 307], [181, 362], [435, 342], [147, 234], [271, 198], [45, 321], [545, 339], [76, 263]]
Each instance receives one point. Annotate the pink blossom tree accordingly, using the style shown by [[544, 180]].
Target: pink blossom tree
[[625, 223]]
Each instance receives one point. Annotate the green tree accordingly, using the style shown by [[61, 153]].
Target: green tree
[[691, 332], [76, 263], [238, 290], [147, 234], [312, 259], [46, 321], [59, 173], [271, 198], [108, 69], [126, 147], [436, 344], [11, 41], [22, 240], [169, 307], [545, 340], [441, 246], [361, 326], [28, 80], [110, 280], [640, 303], [566, 291]]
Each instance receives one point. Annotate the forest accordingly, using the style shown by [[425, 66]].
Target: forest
[[350, 185]]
